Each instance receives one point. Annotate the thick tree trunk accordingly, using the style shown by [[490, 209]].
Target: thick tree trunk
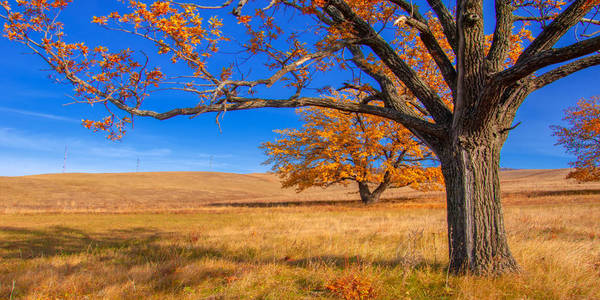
[[477, 239], [368, 197]]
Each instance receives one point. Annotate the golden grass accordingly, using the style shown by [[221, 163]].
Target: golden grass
[[289, 253], [191, 191], [394, 250]]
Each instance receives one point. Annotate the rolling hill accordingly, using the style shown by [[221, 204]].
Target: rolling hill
[[180, 191]]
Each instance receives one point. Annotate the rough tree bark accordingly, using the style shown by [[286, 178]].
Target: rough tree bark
[[476, 234], [369, 197]]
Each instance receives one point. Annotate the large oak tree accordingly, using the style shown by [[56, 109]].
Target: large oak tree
[[352, 43]]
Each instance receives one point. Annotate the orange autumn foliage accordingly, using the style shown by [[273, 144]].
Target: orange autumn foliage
[[181, 32], [98, 74], [581, 137], [335, 146]]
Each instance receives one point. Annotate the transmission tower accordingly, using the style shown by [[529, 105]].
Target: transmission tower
[[65, 160]]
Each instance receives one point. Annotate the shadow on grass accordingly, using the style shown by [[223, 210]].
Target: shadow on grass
[[60, 240], [535, 194], [116, 255], [287, 203], [307, 203], [355, 203], [345, 262]]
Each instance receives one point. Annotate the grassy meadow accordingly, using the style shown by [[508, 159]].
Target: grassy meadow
[[304, 248]]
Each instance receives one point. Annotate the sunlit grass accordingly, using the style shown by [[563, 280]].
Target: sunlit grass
[[290, 253]]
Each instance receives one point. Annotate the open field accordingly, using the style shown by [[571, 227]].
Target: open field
[[190, 191], [57, 244]]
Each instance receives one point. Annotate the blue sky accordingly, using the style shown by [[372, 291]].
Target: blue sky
[[36, 125]]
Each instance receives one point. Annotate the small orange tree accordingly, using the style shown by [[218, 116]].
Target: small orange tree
[[582, 138], [335, 146]]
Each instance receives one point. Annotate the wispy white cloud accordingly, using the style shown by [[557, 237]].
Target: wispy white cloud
[[208, 155], [38, 114], [17, 139], [18, 165], [12, 138], [41, 94], [23, 152]]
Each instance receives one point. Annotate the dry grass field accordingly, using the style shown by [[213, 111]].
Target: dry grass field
[[230, 236], [191, 191]]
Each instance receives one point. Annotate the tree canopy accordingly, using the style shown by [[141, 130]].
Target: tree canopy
[[340, 147], [581, 137], [234, 60]]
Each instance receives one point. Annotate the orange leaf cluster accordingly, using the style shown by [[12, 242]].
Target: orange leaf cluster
[[97, 75], [183, 33], [352, 286], [180, 31], [581, 137], [115, 130], [335, 146]]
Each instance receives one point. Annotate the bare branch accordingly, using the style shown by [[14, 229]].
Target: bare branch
[[591, 21], [294, 66], [525, 67], [237, 11], [501, 41], [542, 18], [225, 4], [565, 70], [386, 84], [241, 103], [447, 21], [555, 30], [432, 101], [390, 95], [591, 34], [417, 21], [318, 14]]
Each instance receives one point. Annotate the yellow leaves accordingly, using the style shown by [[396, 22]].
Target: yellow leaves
[[114, 128], [244, 19], [163, 48], [226, 73], [516, 46], [319, 3], [60, 3], [174, 29], [100, 49], [160, 8], [334, 146], [100, 20], [5, 5], [100, 77], [215, 22], [154, 77], [589, 4]]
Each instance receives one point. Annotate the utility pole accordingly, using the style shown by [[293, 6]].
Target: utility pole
[[65, 160], [137, 166]]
